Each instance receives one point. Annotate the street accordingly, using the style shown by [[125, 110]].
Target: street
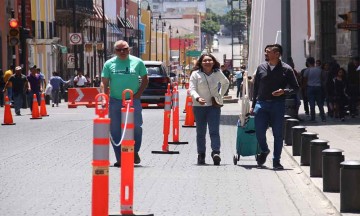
[[45, 169]]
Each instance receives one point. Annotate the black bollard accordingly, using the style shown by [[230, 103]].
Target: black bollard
[[316, 148], [288, 131], [350, 186], [286, 117], [331, 169], [306, 137], [296, 139], [290, 107]]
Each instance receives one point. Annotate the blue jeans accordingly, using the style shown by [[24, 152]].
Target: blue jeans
[[238, 86], [115, 106], [270, 113], [204, 116], [315, 95], [9, 93], [55, 96], [18, 102], [30, 98]]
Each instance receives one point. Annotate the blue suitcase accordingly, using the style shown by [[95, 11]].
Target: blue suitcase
[[246, 141]]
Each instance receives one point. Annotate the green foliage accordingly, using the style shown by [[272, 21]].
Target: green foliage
[[211, 24], [239, 20]]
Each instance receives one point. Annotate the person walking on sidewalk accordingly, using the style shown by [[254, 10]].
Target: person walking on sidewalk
[[204, 82], [34, 87], [122, 72], [314, 78], [227, 74], [273, 81], [55, 82], [19, 87]]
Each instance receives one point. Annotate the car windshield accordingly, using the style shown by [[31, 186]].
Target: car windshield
[[154, 71]]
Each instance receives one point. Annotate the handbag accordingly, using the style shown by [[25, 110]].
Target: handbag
[[245, 101], [215, 101], [48, 89]]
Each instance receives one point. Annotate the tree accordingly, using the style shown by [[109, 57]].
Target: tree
[[239, 22], [211, 24]]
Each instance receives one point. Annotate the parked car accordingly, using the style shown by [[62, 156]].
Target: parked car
[[159, 78]]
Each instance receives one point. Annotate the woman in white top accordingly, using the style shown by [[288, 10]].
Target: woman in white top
[[204, 84]]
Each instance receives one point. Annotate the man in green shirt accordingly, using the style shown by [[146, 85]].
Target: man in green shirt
[[119, 73]]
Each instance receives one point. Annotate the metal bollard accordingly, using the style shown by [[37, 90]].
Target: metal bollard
[[296, 139], [331, 169], [284, 125], [350, 186], [316, 148], [306, 137], [288, 135]]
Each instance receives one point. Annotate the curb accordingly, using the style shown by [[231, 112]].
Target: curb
[[312, 183]]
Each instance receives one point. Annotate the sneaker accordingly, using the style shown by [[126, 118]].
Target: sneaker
[[117, 164], [137, 159], [261, 158], [52, 105], [201, 159], [277, 165], [216, 158]]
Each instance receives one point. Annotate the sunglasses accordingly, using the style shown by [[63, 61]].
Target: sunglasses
[[122, 49]]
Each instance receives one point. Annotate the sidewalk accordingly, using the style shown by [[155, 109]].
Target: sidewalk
[[341, 135]]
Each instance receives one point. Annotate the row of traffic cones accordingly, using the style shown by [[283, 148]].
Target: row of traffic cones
[[35, 114]]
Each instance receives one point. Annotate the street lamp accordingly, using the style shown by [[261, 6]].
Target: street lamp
[[156, 28], [139, 19], [170, 31]]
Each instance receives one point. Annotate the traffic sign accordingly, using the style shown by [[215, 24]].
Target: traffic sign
[[75, 38], [193, 53], [70, 60]]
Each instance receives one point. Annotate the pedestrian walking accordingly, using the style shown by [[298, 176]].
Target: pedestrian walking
[[2, 85], [273, 81], [122, 72], [55, 82], [19, 86], [303, 90], [313, 77], [239, 75], [227, 74], [6, 77], [34, 86], [338, 94], [204, 81], [353, 85]]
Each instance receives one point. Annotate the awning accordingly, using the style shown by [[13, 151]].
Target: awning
[[99, 12], [122, 22], [114, 28]]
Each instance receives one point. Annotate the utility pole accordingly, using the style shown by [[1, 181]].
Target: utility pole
[[104, 30], [22, 36], [286, 30], [74, 29], [13, 47]]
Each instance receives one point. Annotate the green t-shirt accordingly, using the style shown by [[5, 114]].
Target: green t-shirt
[[123, 74]]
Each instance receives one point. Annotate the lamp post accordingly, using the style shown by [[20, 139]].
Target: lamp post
[[156, 28], [125, 7], [139, 19], [170, 41], [163, 24]]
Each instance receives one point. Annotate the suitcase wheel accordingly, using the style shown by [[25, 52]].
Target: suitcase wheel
[[236, 159]]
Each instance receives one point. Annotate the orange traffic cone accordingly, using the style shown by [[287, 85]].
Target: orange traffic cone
[[35, 109], [189, 118], [43, 106], [8, 119]]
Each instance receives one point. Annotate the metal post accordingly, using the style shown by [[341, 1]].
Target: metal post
[[139, 14], [162, 41], [13, 47], [104, 30], [125, 7], [150, 30], [179, 50], [156, 27], [74, 27], [232, 34], [170, 42], [285, 30], [22, 36]]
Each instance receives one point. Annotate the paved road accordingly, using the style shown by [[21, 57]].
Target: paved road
[[45, 169]]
